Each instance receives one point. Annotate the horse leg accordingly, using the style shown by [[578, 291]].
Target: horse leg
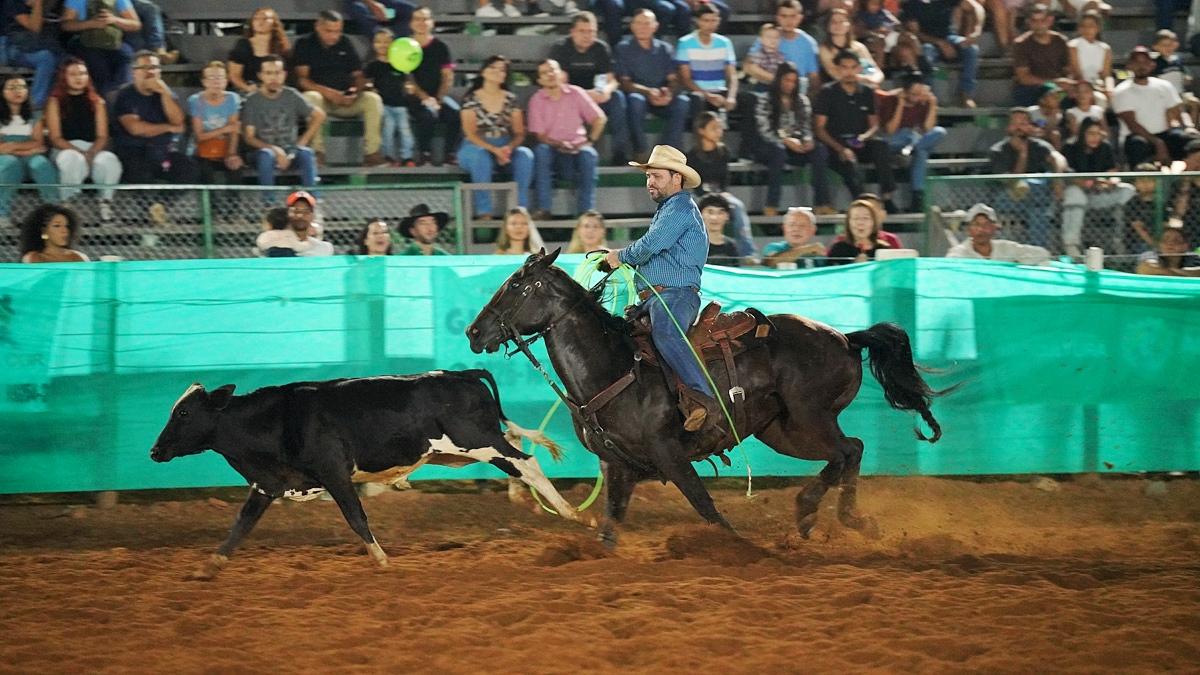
[[620, 483], [684, 476], [812, 439], [848, 503]]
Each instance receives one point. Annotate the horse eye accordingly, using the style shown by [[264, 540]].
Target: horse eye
[[183, 413]]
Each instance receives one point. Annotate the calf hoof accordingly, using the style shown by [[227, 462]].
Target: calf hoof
[[377, 555], [210, 569]]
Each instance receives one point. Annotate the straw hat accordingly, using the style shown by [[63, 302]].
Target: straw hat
[[666, 157]]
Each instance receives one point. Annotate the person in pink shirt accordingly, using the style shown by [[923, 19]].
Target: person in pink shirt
[[566, 123]]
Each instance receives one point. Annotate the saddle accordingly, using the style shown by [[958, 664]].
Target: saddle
[[717, 338]]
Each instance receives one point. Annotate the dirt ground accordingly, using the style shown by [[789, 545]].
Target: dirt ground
[[1009, 576]]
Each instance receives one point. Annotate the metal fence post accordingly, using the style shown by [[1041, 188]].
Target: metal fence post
[[206, 219]]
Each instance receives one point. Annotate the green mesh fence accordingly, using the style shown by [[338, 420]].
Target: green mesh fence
[[1064, 370], [174, 222], [1120, 213]]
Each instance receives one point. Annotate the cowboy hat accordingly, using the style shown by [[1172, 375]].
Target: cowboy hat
[[666, 157], [419, 211]]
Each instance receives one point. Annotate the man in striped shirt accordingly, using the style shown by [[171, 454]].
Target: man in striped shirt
[[707, 64], [670, 258]]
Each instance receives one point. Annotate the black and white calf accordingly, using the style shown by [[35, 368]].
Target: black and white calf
[[298, 440]]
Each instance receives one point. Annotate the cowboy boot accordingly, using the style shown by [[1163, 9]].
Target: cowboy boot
[[698, 409]]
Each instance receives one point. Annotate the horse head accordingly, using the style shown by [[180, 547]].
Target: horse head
[[525, 304]]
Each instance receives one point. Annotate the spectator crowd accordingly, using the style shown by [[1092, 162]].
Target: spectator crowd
[[836, 87]]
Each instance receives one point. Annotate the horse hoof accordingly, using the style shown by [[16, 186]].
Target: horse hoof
[[864, 524], [609, 539], [806, 526]]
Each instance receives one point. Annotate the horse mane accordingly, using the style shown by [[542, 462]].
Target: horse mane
[[590, 300]]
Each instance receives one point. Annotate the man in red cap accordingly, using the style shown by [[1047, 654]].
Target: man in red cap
[[301, 211], [1151, 114]]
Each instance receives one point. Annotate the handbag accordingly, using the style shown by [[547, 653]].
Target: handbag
[[213, 148]]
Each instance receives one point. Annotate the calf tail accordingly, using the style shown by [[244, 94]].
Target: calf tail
[[515, 432], [891, 362]]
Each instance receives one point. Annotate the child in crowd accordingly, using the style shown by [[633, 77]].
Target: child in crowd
[[711, 158], [1047, 115], [1091, 57], [762, 64], [877, 28], [714, 209], [1141, 215], [862, 235], [1086, 107], [1174, 257], [1169, 66], [278, 240], [799, 228], [395, 89]]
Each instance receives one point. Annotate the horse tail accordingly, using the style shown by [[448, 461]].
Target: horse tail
[[515, 432], [891, 361]]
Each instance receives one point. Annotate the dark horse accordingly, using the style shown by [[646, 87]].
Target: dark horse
[[796, 381]]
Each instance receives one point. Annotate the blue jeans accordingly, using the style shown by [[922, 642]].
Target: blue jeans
[[15, 170], [673, 347], [967, 56], [1034, 209], [921, 144], [44, 64], [776, 156], [360, 15], [304, 159], [612, 16], [618, 125], [481, 164], [109, 68], [675, 113], [151, 36], [583, 167], [397, 136]]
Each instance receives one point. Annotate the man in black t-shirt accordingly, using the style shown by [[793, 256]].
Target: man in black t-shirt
[[587, 62], [433, 79], [329, 72], [844, 119]]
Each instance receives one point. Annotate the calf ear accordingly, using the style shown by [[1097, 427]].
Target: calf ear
[[219, 398]]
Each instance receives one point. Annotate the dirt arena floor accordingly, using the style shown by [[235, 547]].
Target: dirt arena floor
[[1087, 575]]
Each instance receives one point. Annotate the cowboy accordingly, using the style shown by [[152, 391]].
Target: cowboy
[[422, 227], [670, 258]]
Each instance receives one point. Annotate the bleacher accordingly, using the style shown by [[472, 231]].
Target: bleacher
[[207, 31]]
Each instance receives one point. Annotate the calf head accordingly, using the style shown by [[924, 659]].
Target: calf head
[[193, 423]]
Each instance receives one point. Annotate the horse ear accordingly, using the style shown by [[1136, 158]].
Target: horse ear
[[541, 252], [219, 398], [552, 257]]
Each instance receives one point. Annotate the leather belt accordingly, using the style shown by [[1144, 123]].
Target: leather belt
[[642, 295]]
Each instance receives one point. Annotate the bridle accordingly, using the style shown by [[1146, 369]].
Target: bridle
[[585, 414]]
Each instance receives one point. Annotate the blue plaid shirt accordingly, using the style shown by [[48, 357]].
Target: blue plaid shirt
[[672, 253]]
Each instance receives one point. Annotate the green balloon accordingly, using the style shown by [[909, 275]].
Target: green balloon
[[405, 54]]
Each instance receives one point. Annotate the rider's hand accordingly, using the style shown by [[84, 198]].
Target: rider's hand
[[611, 261]]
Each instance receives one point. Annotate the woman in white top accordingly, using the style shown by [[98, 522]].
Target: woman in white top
[[1086, 107], [1091, 57]]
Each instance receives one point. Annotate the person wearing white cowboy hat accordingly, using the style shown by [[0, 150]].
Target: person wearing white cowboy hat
[[670, 257], [422, 227]]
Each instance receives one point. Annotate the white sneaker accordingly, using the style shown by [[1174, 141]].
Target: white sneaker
[[489, 11], [106, 211], [511, 10]]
